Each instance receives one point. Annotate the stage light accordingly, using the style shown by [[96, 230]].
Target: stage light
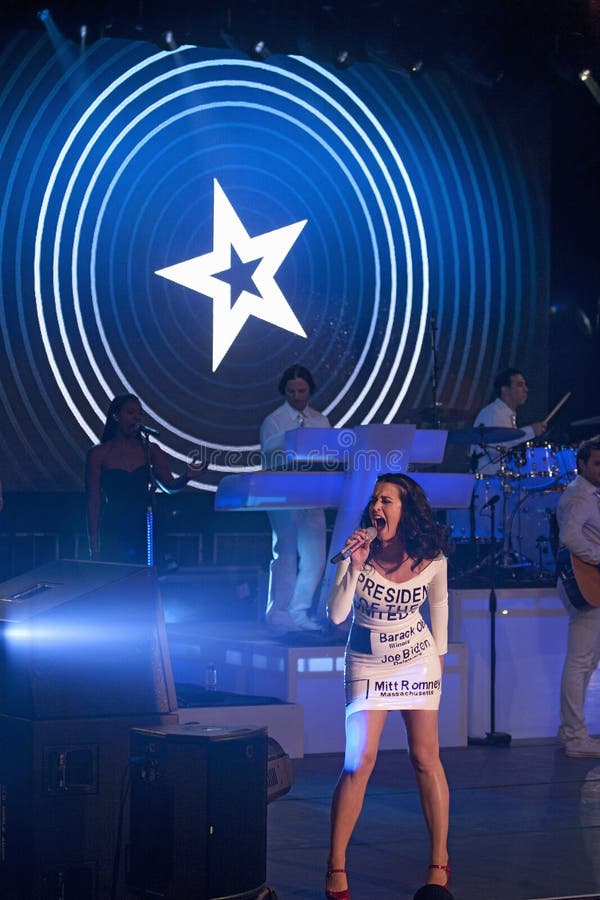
[[343, 59], [261, 50], [586, 77], [43, 15], [417, 67], [169, 39]]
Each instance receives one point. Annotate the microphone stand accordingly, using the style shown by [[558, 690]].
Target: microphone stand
[[434, 371], [493, 738], [150, 485]]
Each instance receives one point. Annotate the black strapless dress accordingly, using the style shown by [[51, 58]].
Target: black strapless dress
[[123, 516]]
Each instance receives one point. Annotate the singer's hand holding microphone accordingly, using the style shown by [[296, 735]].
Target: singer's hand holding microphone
[[357, 546]]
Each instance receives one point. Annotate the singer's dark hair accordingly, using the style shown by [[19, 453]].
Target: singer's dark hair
[[116, 405], [296, 372], [422, 536]]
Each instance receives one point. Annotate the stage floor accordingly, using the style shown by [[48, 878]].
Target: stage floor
[[525, 820], [525, 825]]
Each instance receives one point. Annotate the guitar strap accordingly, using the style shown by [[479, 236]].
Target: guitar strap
[[564, 569]]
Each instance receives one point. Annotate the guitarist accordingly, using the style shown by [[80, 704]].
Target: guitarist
[[578, 515]]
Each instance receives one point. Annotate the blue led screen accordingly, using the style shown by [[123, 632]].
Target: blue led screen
[[185, 225]]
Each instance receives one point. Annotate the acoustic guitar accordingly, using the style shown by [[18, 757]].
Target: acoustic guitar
[[580, 580]]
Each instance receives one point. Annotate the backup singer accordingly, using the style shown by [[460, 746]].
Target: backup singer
[[393, 661], [122, 472]]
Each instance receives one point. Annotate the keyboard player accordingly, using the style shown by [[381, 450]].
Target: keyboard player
[[299, 535]]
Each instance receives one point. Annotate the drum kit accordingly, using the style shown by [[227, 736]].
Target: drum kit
[[527, 484]]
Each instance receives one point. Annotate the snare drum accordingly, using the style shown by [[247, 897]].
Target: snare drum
[[537, 467], [566, 458]]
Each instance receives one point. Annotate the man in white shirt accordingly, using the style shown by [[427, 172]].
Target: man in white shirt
[[511, 391], [578, 515], [299, 535]]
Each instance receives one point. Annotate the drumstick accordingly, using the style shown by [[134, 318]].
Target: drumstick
[[557, 407]]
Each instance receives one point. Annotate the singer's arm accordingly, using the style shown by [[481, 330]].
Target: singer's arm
[[339, 602], [163, 476]]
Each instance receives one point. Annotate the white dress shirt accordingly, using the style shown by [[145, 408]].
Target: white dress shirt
[[578, 514], [497, 415], [285, 418]]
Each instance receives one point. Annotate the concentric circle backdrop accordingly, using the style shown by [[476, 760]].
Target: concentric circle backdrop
[[419, 210]]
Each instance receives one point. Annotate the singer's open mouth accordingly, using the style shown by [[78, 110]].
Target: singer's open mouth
[[379, 522]]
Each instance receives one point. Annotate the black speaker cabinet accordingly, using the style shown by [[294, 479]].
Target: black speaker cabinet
[[198, 812], [63, 797], [84, 639]]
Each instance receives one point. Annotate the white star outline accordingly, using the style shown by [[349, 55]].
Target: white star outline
[[197, 274]]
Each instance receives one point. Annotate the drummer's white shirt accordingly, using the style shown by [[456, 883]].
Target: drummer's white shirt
[[497, 415]]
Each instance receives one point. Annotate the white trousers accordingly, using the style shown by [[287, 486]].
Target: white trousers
[[299, 546], [581, 661]]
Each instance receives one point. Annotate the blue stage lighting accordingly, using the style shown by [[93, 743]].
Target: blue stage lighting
[[44, 15]]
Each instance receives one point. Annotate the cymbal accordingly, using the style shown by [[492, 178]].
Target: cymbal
[[593, 420], [483, 435]]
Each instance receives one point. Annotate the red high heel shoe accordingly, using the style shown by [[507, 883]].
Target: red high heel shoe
[[336, 895], [447, 869]]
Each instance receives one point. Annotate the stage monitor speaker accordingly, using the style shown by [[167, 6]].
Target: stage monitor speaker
[[84, 639], [198, 812], [63, 794]]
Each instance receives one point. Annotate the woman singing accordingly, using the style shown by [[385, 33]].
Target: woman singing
[[393, 661], [122, 472]]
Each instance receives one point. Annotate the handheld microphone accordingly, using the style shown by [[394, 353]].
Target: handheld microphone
[[350, 548], [148, 430], [491, 502]]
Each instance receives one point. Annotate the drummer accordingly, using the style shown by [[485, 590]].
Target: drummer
[[510, 386]]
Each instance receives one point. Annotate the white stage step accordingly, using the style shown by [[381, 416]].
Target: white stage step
[[310, 676]]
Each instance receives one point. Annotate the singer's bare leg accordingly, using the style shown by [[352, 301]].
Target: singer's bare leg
[[363, 731], [423, 748]]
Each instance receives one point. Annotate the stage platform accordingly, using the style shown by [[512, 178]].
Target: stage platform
[[284, 721], [308, 675], [531, 631]]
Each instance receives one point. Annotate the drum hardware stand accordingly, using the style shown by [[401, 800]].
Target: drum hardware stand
[[492, 738], [541, 543], [509, 558]]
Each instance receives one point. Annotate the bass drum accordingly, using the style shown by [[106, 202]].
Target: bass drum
[[475, 523], [533, 529]]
